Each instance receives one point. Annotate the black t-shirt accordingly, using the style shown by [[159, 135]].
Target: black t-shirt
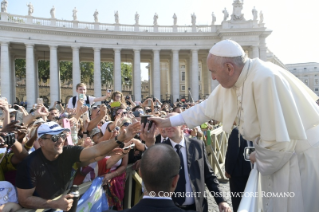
[[50, 178]]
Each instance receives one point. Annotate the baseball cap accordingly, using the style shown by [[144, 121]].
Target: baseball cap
[[104, 126], [94, 131], [50, 128]]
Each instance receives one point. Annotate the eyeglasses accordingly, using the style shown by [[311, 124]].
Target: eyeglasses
[[55, 138], [126, 124]]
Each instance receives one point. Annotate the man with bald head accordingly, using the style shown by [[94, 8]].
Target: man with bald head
[[274, 109], [159, 170], [195, 172]]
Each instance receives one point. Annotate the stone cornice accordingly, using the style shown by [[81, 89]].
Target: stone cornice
[[127, 35]]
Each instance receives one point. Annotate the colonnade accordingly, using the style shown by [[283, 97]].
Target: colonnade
[[173, 55]]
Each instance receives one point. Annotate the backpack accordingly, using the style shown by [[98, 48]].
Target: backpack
[[74, 101]]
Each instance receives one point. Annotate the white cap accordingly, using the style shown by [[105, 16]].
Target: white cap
[[227, 48], [104, 126]]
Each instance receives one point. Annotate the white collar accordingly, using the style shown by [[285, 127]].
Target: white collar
[[182, 143], [243, 75]]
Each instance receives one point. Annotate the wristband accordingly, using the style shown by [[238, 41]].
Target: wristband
[[86, 132], [28, 147], [120, 143]]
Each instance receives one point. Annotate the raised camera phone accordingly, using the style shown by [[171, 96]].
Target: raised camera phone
[[109, 90], [66, 124], [81, 96], [149, 103], [40, 101], [129, 147], [85, 116], [16, 107], [9, 139]]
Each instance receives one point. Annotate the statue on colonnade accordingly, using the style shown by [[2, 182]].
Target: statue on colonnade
[[75, 16], [155, 19], [52, 12], [4, 5], [175, 19], [30, 10], [116, 15], [137, 18], [193, 19], [226, 14], [237, 11], [213, 18], [96, 14], [255, 14], [261, 17]]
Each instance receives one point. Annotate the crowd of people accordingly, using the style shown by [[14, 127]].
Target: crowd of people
[[91, 137], [49, 150]]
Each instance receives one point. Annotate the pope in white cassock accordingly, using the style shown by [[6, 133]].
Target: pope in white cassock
[[274, 109]]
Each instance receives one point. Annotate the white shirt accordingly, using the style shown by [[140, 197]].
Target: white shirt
[[188, 200], [70, 103], [162, 138]]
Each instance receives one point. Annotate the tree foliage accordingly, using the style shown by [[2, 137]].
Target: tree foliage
[[44, 70], [87, 71], [20, 68]]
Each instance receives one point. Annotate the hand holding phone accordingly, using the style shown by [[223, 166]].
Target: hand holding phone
[[247, 152], [40, 101]]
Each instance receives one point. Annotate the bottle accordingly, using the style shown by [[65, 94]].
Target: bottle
[[74, 134], [76, 196]]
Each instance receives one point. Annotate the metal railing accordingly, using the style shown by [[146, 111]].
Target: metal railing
[[217, 141]]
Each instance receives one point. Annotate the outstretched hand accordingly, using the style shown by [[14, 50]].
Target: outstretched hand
[[129, 133], [161, 122]]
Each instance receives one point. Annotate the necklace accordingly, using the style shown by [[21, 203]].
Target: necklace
[[241, 99]]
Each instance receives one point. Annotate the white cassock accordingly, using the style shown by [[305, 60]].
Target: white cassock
[[279, 113]]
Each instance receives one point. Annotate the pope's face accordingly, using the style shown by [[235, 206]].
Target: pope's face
[[219, 72]]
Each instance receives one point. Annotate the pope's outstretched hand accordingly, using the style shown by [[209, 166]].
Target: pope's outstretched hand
[[161, 122]]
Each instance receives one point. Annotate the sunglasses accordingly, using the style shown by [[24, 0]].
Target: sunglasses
[[126, 124], [55, 138]]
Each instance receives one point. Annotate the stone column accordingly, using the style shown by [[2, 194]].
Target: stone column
[[76, 72], [117, 82], [13, 79], [137, 75], [36, 76], [263, 49], [97, 73], [255, 51], [5, 72], [194, 75], [30, 81], [156, 74], [175, 74], [54, 76]]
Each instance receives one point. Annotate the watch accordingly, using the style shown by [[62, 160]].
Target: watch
[[120, 143]]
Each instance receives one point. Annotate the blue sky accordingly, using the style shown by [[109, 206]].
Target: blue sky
[[294, 22]]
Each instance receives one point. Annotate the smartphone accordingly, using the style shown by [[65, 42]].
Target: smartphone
[[149, 103], [129, 147], [109, 90], [66, 124], [40, 101], [85, 116], [81, 96], [247, 152]]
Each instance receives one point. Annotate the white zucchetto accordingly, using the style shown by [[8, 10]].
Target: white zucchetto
[[227, 48]]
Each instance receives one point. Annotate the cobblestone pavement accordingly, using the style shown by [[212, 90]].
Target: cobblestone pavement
[[224, 187]]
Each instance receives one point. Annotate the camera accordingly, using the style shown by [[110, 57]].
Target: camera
[[16, 107], [148, 111], [127, 97], [9, 139], [58, 102]]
